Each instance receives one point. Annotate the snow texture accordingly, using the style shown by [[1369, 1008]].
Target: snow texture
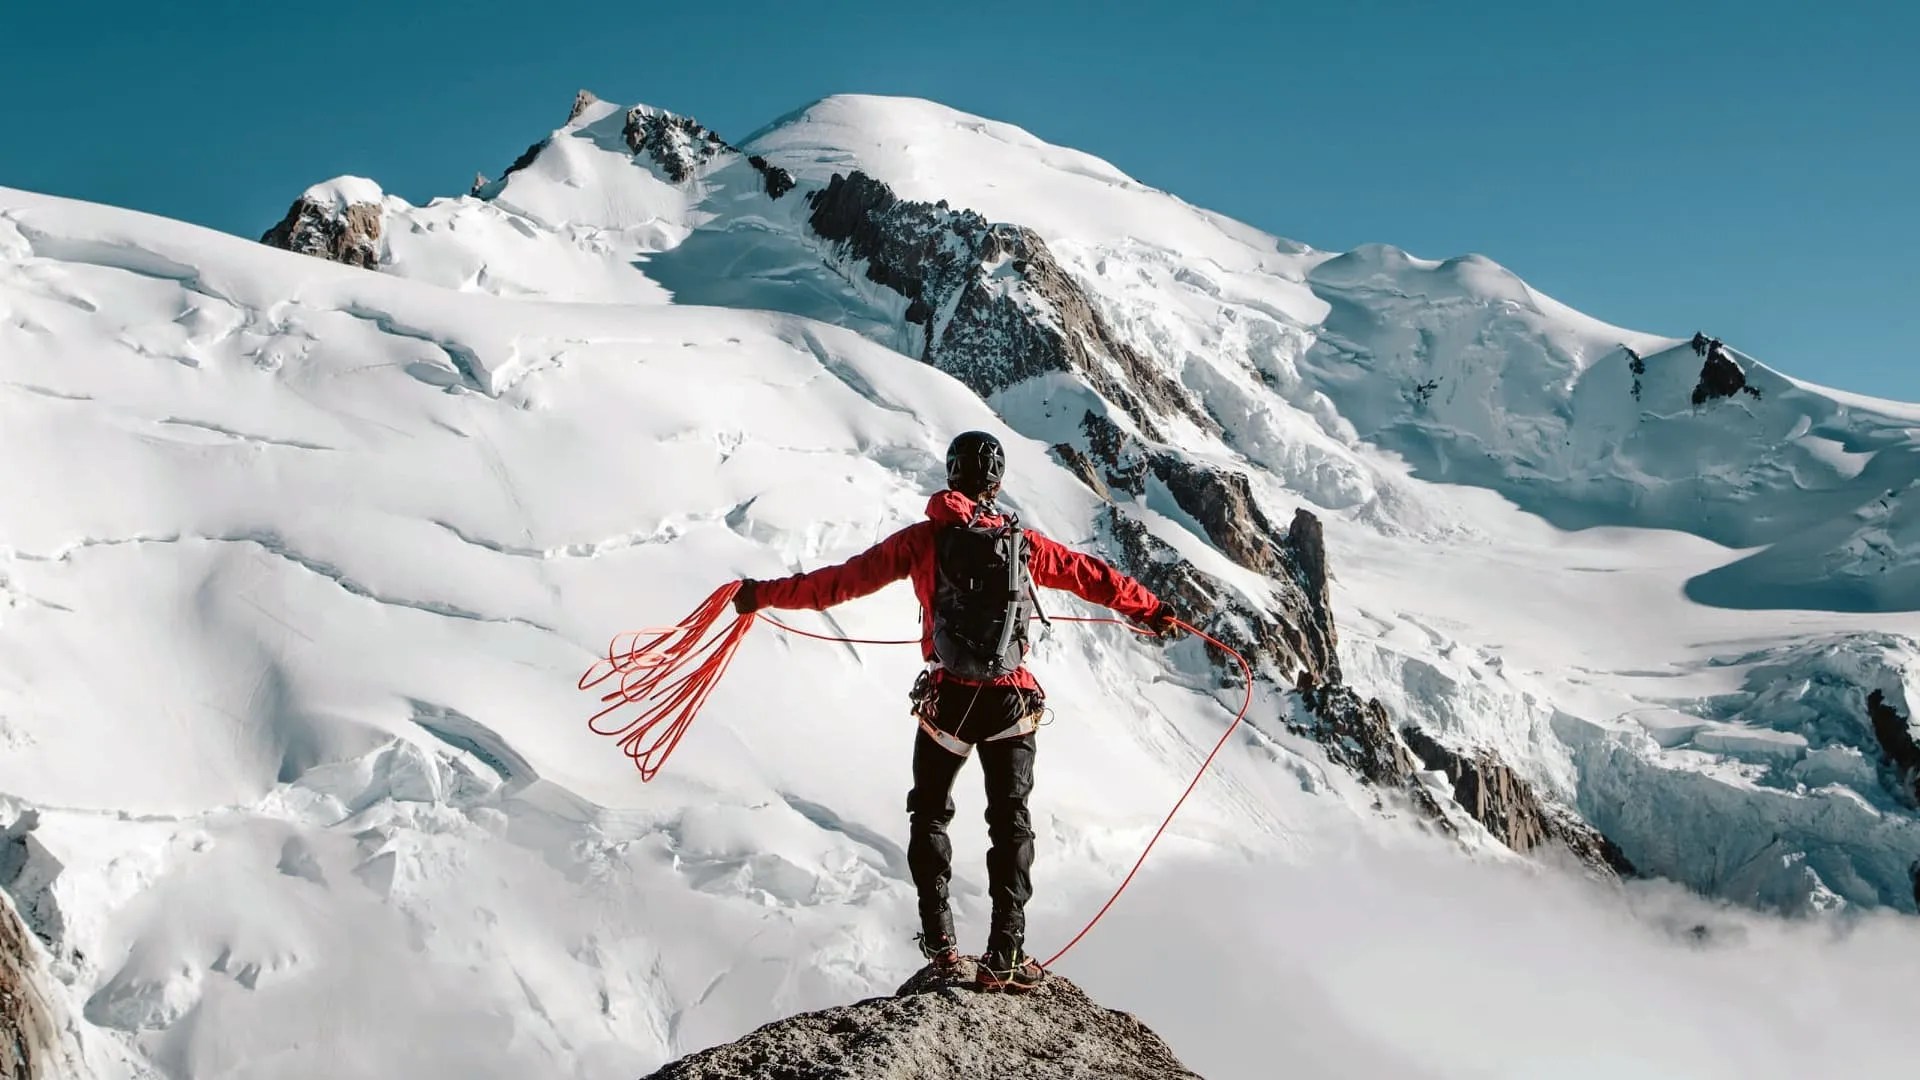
[[344, 191]]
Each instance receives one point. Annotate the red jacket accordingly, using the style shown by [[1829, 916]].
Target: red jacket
[[909, 553]]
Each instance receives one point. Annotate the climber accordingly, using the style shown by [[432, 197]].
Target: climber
[[973, 569]]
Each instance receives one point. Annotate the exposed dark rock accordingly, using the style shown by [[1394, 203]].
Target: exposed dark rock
[[937, 1027], [903, 250], [581, 99], [777, 180], [525, 159], [1265, 641], [1897, 742], [1082, 466], [680, 145], [996, 308], [1721, 376], [350, 235], [1359, 736], [1293, 643], [1125, 463], [1298, 632], [1636, 364], [1487, 789], [1510, 808], [1588, 844], [1222, 502], [1311, 613], [29, 1037]]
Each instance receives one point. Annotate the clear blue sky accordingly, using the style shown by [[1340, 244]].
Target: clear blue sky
[[1751, 169]]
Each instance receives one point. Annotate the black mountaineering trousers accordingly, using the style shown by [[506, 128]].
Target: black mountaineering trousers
[[972, 714]]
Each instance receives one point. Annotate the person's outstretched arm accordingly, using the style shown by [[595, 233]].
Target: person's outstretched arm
[[868, 572], [1056, 566]]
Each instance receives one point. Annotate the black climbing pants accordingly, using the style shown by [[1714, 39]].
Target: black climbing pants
[[972, 713]]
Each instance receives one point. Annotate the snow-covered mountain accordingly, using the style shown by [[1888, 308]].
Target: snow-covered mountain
[[301, 561]]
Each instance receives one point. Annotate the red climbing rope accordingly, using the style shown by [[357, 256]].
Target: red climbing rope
[[1177, 803], [647, 668], [830, 637], [652, 670]]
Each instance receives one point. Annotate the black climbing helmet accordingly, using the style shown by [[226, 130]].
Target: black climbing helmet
[[975, 463]]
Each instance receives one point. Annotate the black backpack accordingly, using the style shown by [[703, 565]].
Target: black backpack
[[982, 598]]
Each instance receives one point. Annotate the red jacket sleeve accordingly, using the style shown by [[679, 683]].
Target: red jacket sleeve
[[868, 572], [1056, 566]]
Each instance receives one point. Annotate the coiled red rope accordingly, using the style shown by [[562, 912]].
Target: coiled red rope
[[651, 669], [647, 668]]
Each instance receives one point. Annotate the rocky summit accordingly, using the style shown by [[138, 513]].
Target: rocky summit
[[937, 1026]]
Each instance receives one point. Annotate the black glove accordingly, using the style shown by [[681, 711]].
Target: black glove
[[1163, 621], [744, 601]]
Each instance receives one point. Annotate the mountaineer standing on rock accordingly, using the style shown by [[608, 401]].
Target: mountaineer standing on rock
[[973, 569]]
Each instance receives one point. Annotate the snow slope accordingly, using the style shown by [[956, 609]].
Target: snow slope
[[301, 561]]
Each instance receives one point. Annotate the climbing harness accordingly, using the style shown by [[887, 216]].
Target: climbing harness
[[669, 671], [923, 698]]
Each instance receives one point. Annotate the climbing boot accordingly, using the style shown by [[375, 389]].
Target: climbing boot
[[1010, 973], [937, 942], [943, 953]]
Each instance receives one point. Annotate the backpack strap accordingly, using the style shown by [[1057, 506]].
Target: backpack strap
[[1016, 569]]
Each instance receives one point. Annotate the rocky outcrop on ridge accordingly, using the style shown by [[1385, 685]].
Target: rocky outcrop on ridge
[[348, 233], [1512, 809], [1721, 376], [681, 146], [936, 1027], [994, 306], [581, 99], [678, 144]]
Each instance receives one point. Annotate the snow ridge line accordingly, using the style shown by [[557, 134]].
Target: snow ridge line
[[119, 255], [275, 546], [241, 436], [664, 533]]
